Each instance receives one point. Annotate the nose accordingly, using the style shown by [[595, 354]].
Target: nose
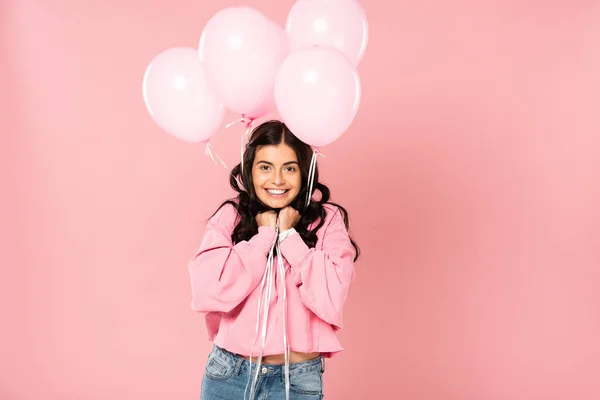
[[278, 177]]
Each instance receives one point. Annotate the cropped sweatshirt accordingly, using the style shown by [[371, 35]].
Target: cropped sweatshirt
[[303, 310]]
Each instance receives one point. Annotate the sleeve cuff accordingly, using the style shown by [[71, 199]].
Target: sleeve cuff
[[283, 235], [264, 238], [294, 250]]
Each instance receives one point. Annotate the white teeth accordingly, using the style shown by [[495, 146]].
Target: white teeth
[[276, 191]]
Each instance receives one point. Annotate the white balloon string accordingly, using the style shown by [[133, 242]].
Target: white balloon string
[[210, 152], [262, 287], [248, 122], [311, 174], [286, 344], [310, 182], [268, 275]]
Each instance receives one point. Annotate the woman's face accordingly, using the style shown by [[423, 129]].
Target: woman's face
[[276, 175]]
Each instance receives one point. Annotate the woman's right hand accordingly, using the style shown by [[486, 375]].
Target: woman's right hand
[[267, 218]]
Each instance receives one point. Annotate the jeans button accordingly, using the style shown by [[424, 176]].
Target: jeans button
[[264, 370]]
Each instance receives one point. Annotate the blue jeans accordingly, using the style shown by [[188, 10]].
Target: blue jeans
[[226, 377]]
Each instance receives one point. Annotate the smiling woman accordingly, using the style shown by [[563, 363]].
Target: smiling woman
[[233, 268]]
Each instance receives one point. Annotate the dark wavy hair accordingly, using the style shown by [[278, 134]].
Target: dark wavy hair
[[247, 204]]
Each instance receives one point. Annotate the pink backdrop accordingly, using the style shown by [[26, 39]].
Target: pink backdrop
[[471, 175]]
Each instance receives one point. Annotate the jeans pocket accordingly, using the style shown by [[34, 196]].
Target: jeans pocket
[[309, 383], [219, 367]]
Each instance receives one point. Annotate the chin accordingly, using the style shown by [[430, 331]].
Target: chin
[[276, 204]]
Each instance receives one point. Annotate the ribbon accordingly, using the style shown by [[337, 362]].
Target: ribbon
[[286, 343], [208, 151], [248, 122], [268, 280], [311, 174]]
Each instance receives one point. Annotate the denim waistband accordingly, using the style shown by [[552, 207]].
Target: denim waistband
[[302, 367]]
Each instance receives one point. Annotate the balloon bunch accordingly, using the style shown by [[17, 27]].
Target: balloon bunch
[[250, 65]]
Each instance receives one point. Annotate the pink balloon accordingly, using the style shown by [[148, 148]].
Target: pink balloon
[[317, 91], [341, 24], [242, 50], [178, 97]]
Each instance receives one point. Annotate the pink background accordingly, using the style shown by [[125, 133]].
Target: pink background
[[471, 174]]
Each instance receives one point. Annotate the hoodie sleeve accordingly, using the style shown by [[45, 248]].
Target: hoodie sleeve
[[222, 274], [324, 275]]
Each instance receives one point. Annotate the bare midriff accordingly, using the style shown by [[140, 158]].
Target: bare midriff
[[279, 359]]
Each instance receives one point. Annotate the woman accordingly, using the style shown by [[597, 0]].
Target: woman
[[291, 313]]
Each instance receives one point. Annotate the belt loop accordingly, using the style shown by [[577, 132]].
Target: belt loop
[[322, 364], [238, 365]]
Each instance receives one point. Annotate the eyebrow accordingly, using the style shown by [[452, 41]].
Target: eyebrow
[[270, 163]]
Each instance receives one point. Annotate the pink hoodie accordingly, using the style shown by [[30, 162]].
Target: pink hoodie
[[226, 282]]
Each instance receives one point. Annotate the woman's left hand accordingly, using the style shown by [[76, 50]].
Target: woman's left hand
[[288, 218]]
